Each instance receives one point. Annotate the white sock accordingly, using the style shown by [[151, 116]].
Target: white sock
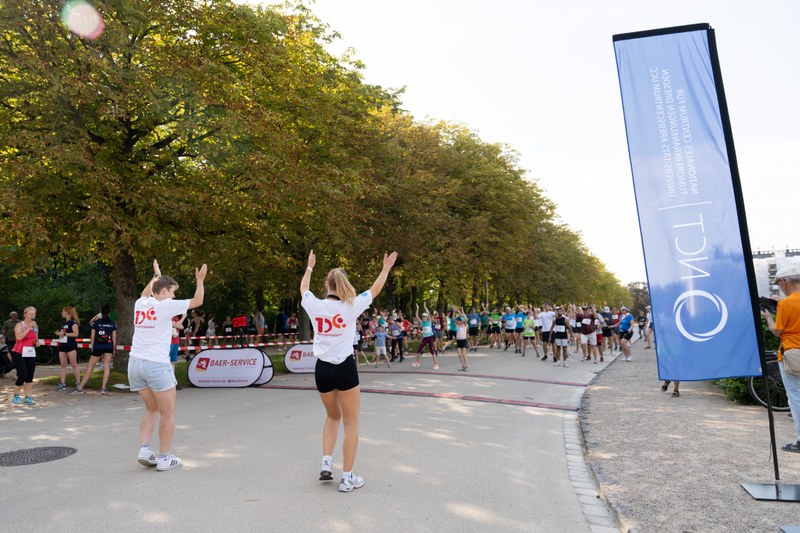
[[347, 474], [327, 458]]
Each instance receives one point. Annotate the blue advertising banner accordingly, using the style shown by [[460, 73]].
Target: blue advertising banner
[[689, 203]]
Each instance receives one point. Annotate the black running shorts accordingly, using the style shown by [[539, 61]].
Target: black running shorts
[[329, 377]]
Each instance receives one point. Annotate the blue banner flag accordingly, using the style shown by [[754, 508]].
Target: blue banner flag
[[691, 216]]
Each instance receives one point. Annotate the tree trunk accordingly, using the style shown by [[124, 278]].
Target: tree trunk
[[126, 294]]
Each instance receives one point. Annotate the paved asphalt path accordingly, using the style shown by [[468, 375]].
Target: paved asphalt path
[[439, 451]]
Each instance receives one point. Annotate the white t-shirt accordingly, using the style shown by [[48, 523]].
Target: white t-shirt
[[547, 318], [152, 327], [334, 324]]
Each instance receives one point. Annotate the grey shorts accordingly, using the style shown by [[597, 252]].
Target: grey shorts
[[158, 377]]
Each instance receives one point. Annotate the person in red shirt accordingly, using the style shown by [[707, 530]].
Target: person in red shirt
[[586, 320]]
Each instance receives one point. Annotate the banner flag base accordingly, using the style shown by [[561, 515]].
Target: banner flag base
[[773, 492]]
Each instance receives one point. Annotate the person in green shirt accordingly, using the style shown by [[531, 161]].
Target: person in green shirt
[[529, 332], [494, 329]]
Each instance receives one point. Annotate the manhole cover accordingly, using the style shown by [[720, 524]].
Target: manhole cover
[[33, 456]]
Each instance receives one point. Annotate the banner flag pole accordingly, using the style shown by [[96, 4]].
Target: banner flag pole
[[692, 219]]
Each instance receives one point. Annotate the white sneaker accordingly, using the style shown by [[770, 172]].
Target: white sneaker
[[168, 463], [147, 457], [326, 470], [557, 363], [565, 365], [349, 483]]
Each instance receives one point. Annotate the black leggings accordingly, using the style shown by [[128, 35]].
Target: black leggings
[[25, 367], [397, 343]]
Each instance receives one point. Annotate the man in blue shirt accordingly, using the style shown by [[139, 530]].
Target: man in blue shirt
[[626, 332]]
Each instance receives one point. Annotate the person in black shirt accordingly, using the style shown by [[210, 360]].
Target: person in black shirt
[[104, 340], [68, 347]]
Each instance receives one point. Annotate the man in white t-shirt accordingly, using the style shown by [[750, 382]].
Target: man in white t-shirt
[[547, 317], [149, 370]]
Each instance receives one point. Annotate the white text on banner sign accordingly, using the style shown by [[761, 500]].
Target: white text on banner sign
[[235, 367], [687, 204], [300, 359]]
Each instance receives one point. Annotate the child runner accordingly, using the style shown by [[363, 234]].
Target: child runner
[[336, 375], [529, 332], [427, 337], [461, 341], [380, 346]]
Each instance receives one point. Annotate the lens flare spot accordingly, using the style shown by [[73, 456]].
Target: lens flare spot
[[82, 19]]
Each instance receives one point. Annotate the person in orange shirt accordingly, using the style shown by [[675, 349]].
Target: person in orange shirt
[[786, 325]]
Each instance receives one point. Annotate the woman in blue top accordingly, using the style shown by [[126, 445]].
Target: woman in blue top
[[626, 332], [427, 337], [68, 347]]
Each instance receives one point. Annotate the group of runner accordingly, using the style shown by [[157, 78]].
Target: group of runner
[[556, 329]]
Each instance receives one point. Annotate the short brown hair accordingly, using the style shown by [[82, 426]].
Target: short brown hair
[[163, 282]]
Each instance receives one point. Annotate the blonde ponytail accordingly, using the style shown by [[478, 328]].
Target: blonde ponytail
[[339, 285], [73, 314]]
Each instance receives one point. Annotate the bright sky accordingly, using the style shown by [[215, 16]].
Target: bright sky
[[541, 77]]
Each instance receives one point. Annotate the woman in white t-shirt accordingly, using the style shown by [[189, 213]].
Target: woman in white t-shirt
[[336, 376]]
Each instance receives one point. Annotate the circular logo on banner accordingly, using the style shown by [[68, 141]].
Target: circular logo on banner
[[300, 359], [720, 306], [231, 367]]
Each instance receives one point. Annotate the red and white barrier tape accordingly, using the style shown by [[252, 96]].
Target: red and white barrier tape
[[54, 342], [243, 335]]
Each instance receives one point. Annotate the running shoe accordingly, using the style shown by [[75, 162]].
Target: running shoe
[[16, 400], [61, 387], [326, 470], [565, 365], [351, 482], [415, 364], [28, 401], [436, 367], [557, 363], [147, 457], [77, 391], [168, 462], [103, 391]]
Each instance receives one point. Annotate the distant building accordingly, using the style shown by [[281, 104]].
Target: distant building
[[768, 263]]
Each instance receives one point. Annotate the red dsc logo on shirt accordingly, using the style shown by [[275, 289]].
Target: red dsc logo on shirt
[[325, 325], [141, 316]]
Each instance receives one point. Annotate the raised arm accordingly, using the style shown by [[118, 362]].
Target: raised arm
[[148, 290], [388, 263], [305, 283], [199, 291], [417, 314]]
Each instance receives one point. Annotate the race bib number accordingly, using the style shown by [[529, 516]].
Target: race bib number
[[28, 351], [587, 321], [473, 322], [62, 339], [560, 329], [426, 331]]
